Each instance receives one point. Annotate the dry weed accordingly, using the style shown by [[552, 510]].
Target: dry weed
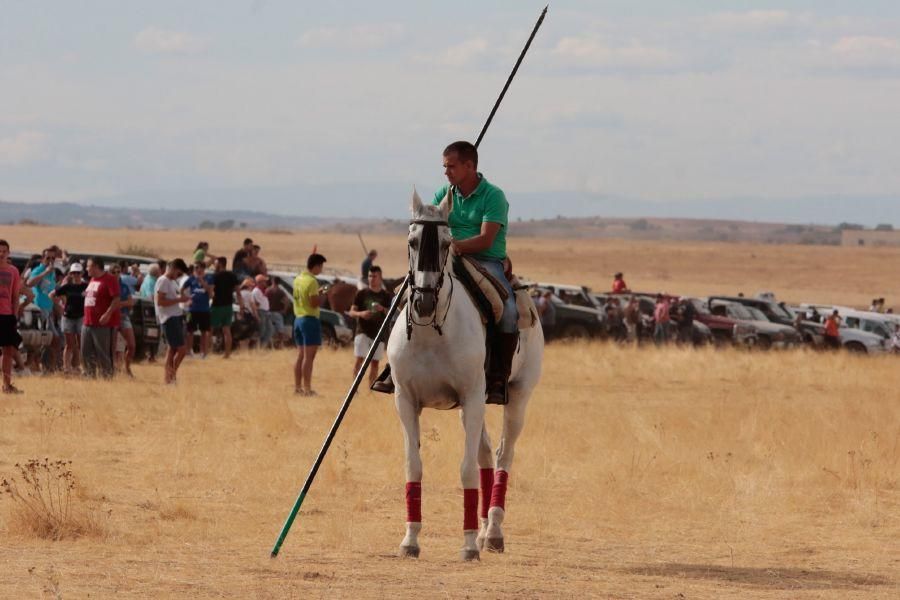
[[45, 505]]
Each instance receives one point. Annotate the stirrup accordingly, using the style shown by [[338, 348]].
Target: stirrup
[[497, 396], [384, 383]]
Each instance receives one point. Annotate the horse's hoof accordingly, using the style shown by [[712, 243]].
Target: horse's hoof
[[409, 552], [493, 544], [468, 555]]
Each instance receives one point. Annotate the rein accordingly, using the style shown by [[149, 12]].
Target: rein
[[429, 235]]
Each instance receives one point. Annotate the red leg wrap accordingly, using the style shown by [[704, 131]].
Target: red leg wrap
[[487, 483], [498, 494], [470, 504], [414, 502]]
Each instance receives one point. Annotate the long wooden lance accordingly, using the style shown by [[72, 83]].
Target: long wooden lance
[[385, 327]]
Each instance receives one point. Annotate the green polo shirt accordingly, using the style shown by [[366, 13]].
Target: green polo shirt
[[487, 204]]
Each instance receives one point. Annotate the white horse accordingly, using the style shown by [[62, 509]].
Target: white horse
[[437, 354]]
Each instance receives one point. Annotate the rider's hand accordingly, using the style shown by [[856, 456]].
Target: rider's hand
[[455, 248]]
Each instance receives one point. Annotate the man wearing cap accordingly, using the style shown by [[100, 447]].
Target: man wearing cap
[[200, 286], [72, 293], [266, 321], [171, 316]]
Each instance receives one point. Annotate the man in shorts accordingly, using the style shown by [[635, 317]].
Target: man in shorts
[[9, 310], [72, 292], [307, 327], [221, 314], [171, 316], [369, 309], [200, 287]]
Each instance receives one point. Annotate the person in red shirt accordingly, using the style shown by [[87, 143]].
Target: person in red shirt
[[101, 319], [619, 286], [832, 331], [9, 309]]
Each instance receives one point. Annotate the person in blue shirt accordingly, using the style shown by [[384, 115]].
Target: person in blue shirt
[[127, 288], [42, 281], [200, 285]]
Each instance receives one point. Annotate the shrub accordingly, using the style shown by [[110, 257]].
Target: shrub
[[44, 504], [133, 249]]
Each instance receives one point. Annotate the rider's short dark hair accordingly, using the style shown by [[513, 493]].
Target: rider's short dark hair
[[4, 243], [98, 262], [314, 260], [375, 269], [465, 151]]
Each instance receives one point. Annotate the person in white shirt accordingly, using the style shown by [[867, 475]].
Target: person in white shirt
[[168, 297], [266, 318]]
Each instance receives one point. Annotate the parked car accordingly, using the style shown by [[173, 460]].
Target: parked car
[[768, 333], [773, 311], [725, 330], [146, 327], [852, 339], [572, 321]]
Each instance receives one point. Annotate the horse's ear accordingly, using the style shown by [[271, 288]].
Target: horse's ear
[[416, 203], [446, 204]]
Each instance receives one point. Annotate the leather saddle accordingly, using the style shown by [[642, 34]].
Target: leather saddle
[[489, 295]]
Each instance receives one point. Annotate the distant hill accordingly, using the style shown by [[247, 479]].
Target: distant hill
[[708, 230], [66, 213], [379, 200], [719, 230]]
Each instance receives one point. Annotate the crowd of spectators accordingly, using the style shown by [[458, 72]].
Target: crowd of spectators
[[80, 312]]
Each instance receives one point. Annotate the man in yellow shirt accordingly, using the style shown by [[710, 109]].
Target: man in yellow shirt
[[307, 327]]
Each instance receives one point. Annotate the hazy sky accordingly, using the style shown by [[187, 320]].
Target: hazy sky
[[656, 99]]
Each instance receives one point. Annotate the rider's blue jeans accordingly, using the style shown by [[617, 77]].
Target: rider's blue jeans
[[510, 320]]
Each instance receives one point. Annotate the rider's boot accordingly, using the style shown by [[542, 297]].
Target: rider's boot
[[384, 383], [503, 349]]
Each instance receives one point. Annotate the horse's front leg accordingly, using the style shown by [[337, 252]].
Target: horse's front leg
[[409, 411], [473, 423]]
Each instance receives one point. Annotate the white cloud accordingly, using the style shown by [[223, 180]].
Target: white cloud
[[591, 51], [358, 36], [864, 51], [23, 148], [153, 40], [749, 21], [464, 53]]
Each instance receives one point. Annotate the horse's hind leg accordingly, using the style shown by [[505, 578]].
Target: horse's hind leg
[[486, 470], [473, 422], [513, 423], [409, 416]]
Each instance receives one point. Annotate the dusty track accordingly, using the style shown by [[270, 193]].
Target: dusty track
[[645, 474], [640, 474]]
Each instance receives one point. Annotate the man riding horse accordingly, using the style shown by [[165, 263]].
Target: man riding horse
[[478, 222]]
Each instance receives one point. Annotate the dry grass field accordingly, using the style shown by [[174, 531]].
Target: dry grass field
[[641, 473], [834, 274]]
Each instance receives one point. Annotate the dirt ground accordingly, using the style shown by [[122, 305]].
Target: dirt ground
[[642, 473]]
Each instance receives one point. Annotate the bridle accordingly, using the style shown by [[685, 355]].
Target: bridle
[[429, 232]]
